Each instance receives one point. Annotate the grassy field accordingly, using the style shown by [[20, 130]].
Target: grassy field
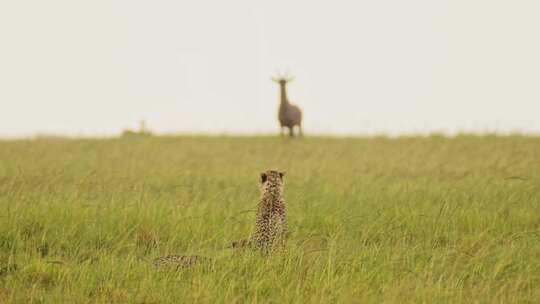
[[372, 220]]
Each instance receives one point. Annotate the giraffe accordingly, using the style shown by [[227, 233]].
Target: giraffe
[[289, 115]]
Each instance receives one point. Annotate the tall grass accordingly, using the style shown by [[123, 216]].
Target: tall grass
[[431, 220]]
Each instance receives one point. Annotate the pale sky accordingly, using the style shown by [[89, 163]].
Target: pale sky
[[93, 68]]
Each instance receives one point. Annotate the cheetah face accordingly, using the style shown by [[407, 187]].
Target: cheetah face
[[272, 177]]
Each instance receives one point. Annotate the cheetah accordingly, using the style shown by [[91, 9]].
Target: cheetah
[[270, 225], [179, 261]]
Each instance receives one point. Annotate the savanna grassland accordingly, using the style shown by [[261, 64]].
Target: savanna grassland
[[372, 220]]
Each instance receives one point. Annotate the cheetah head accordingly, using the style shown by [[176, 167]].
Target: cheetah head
[[272, 177]]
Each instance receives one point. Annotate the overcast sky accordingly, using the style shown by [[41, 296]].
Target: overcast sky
[[362, 67]]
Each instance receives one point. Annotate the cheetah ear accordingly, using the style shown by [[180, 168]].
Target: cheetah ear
[[263, 177], [281, 174]]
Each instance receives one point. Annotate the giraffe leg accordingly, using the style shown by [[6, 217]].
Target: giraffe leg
[[291, 131]]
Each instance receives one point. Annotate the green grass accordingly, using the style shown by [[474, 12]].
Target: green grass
[[372, 220]]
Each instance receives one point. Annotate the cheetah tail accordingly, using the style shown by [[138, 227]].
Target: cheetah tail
[[239, 244]]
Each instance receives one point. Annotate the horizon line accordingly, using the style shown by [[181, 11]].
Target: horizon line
[[135, 134]]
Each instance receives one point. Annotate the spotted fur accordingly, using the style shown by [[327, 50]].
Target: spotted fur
[[179, 261], [271, 224]]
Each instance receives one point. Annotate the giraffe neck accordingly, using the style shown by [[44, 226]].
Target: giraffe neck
[[284, 100]]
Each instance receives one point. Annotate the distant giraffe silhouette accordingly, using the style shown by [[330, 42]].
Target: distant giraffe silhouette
[[289, 115]]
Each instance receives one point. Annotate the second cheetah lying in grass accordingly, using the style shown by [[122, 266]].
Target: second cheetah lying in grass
[[179, 261]]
